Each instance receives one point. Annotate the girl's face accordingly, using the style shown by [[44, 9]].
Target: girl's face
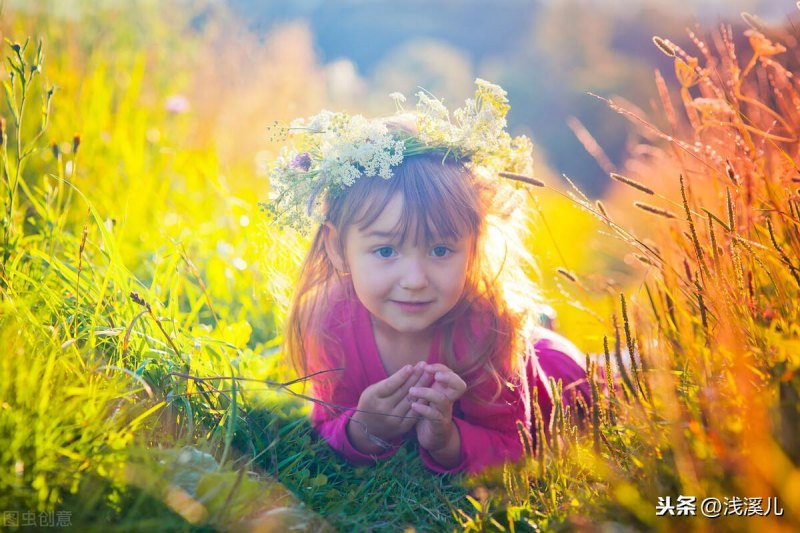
[[406, 287]]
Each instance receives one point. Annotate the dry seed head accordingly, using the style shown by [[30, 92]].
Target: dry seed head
[[602, 209], [731, 211], [522, 178], [56, 151], [730, 172], [753, 21], [654, 210], [139, 300], [631, 183], [76, 142], [567, 274], [83, 237], [643, 259], [663, 46]]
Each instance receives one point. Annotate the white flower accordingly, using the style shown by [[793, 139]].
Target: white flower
[[333, 149]]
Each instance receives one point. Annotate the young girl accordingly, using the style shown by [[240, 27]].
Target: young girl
[[401, 314]]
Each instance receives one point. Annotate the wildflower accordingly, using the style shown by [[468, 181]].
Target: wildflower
[[334, 149], [686, 71], [762, 46], [301, 162], [177, 104], [712, 107]]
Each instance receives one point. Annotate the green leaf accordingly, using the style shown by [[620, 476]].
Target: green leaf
[[12, 103], [319, 480]]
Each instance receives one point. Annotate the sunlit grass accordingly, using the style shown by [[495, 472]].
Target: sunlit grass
[[706, 405]]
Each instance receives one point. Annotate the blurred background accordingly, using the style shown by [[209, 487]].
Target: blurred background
[[548, 54]]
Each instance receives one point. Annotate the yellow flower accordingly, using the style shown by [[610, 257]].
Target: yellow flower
[[686, 71], [762, 46]]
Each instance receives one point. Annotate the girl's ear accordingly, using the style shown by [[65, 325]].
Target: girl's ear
[[330, 238]]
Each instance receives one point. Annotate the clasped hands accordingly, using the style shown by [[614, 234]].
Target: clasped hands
[[421, 395]]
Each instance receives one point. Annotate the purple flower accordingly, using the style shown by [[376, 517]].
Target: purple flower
[[301, 162], [177, 104]]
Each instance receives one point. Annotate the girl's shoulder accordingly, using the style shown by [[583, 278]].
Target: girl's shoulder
[[340, 308], [340, 325], [548, 343]]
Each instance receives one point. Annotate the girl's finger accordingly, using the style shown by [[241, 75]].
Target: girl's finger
[[435, 397], [445, 376], [437, 367], [403, 408], [409, 418], [416, 373], [395, 386], [452, 381], [425, 380], [390, 385], [428, 411]]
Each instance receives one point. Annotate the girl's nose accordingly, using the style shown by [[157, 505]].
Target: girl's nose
[[414, 276]]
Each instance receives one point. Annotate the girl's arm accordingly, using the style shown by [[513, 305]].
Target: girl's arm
[[367, 423], [332, 422]]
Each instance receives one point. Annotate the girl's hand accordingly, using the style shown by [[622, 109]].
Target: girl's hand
[[384, 410], [436, 431]]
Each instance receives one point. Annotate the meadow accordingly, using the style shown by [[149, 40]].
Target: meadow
[[142, 295]]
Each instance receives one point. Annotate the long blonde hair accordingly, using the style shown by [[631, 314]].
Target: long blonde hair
[[442, 199]]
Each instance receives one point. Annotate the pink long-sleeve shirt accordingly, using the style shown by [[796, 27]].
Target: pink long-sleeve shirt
[[488, 428]]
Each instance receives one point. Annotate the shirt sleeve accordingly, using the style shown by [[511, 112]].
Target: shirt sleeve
[[331, 422], [489, 430], [337, 393]]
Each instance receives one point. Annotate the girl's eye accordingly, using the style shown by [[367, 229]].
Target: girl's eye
[[440, 251], [385, 252]]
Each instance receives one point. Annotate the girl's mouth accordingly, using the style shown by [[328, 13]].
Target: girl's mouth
[[412, 307]]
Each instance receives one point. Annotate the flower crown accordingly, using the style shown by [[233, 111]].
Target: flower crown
[[333, 150]]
